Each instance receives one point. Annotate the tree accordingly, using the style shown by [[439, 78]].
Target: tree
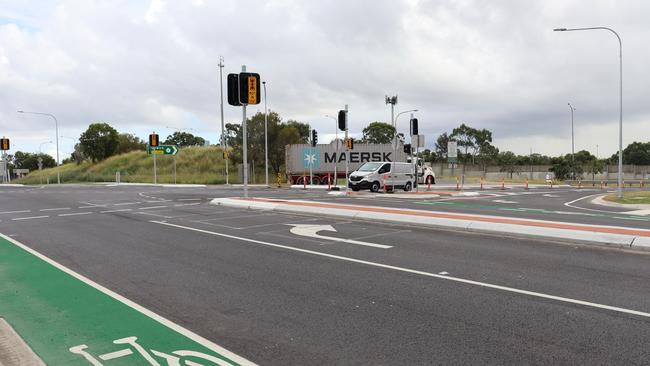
[[637, 153], [509, 162], [129, 142], [475, 143], [183, 139], [280, 135], [99, 141], [441, 146], [378, 133], [24, 160]]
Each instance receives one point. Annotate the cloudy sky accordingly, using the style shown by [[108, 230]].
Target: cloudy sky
[[145, 65]]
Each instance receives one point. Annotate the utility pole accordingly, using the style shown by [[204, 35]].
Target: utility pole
[[392, 101], [245, 143], [224, 144], [347, 151], [573, 150]]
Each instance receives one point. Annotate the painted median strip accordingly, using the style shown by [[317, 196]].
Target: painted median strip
[[68, 319], [610, 235]]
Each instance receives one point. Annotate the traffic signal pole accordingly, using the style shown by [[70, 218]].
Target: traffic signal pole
[[245, 143], [347, 152]]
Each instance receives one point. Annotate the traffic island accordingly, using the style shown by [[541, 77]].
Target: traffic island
[[619, 237]]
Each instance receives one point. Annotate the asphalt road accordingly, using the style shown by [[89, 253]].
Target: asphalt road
[[244, 280]]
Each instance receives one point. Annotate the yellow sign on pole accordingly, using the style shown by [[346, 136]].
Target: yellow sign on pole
[[252, 90]]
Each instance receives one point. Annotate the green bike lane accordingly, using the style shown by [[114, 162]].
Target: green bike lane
[[68, 319]]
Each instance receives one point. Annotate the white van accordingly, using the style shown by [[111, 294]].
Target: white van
[[372, 175]]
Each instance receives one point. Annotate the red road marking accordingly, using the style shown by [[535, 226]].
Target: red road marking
[[496, 220]]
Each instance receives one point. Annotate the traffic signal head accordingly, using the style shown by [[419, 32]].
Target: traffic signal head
[[249, 88], [314, 138], [343, 120], [4, 144], [349, 143], [414, 126], [233, 89], [407, 148], [154, 140]]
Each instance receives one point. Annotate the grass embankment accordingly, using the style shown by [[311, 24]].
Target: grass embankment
[[194, 165], [639, 198]]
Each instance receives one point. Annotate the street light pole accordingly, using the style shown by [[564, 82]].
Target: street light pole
[[619, 191], [224, 144], [266, 136], [573, 152], [336, 134], [395, 139], [174, 156], [56, 125]]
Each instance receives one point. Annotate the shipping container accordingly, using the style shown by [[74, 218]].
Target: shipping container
[[325, 157]]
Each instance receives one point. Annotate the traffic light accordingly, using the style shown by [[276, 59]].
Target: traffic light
[[349, 143], [249, 88], [233, 89], [407, 149], [154, 140], [4, 144], [314, 138], [343, 120], [414, 126]]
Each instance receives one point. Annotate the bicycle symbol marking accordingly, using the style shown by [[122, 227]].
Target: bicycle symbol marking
[[176, 358]]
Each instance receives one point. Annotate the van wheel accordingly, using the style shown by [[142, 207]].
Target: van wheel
[[374, 187], [356, 189], [407, 186]]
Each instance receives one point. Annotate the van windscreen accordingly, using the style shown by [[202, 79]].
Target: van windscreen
[[369, 167]]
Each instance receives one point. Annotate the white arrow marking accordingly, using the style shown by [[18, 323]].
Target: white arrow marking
[[504, 201], [311, 231], [550, 195]]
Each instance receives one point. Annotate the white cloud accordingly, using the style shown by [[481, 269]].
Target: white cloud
[[140, 65]]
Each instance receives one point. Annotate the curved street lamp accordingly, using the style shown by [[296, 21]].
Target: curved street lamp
[[56, 125], [619, 191]]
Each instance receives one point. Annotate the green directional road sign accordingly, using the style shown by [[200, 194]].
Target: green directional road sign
[[162, 150]]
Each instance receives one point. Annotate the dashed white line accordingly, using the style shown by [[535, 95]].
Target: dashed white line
[[75, 214], [121, 210], [187, 204], [126, 203], [12, 212], [55, 209], [151, 207], [29, 218], [190, 199]]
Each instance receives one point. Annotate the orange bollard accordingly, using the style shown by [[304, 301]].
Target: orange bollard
[[481, 180], [304, 180], [384, 183], [526, 183], [641, 183], [329, 182], [503, 183], [457, 184], [429, 185]]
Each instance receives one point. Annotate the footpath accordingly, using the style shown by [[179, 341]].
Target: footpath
[[52, 315], [622, 237]]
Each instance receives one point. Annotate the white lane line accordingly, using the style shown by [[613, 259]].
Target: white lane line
[[12, 212], [151, 207], [158, 201], [29, 218], [75, 214], [504, 201], [421, 273], [190, 199], [122, 210], [570, 204], [93, 206], [139, 308], [55, 209], [187, 204], [126, 203]]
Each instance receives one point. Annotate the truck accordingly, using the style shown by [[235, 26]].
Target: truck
[[325, 157]]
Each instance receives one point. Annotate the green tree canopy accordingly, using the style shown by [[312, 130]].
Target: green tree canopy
[[378, 133], [280, 134], [99, 141], [25, 160], [129, 142], [181, 138]]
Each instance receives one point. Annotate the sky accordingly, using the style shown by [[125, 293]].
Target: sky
[[152, 65]]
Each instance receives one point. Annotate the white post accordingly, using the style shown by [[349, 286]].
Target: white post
[[155, 173], [245, 144], [224, 144], [347, 152], [266, 137]]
